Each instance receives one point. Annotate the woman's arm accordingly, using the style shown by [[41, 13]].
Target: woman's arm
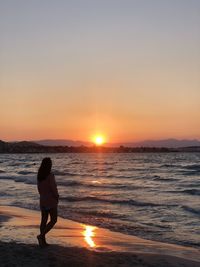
[[53, 186]]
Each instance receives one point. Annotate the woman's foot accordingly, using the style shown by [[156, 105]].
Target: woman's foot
[[41, 241], [45, 242]]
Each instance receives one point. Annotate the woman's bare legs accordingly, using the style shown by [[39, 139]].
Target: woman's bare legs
[[52, 222], [44, 219], [46, 227]]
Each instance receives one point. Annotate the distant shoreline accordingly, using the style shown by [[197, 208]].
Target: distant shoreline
[[31, 147]]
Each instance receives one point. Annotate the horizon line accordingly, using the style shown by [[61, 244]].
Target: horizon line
[[84, 141]]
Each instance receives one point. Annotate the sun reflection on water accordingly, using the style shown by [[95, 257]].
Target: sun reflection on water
[[89, 234]]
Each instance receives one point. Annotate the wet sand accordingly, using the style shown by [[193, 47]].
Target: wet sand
[[75, 244]]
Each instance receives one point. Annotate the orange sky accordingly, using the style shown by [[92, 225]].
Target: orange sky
[[122, 69]]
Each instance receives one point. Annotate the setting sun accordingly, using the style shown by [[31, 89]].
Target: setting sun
[[99, 140]]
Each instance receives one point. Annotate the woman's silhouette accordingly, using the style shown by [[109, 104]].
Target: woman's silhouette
[[47, 189]]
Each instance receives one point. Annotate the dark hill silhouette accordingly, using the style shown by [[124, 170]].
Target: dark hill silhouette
[[170, 143], [62, 142], [31, 147], [25, 143], [19, 147]]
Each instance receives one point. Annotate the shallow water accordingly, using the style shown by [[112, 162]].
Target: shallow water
[[155, 196]]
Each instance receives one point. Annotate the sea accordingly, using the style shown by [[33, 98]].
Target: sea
[[155, 196]]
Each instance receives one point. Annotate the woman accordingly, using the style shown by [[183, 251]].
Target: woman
[[47, 189]]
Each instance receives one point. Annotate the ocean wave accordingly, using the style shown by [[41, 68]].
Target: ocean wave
[[7, 177], [92, 173], [105, 214], [102, 168], [97, 185], [195, 167], [61, 173], [14, 164], [190, 173], [190, 170], [170, 166], [110, 163], [26, 180], [115, 186], [4, 194], [76, 162], [158, 178], [102, 163], [114, 224], [190, 184], [25, 172], [119, 176], [89, 174], [67, 183], [191, 191], [70, 183], [111, 201], [191, 210], [129, 169], [20, 179], [67, 173], [30, 165]]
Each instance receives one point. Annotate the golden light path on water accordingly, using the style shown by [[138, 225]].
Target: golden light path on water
[[88, 234]]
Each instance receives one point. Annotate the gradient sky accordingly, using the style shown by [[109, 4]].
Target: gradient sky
[[129, 69]]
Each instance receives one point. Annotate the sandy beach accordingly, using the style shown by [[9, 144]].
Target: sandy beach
[[75, 244]]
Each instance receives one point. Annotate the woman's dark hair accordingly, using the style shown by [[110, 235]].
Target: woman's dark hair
[[45, 169]]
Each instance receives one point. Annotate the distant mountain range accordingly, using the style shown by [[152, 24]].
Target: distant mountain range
[[170, 143], [62, 142], [68, 146]]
